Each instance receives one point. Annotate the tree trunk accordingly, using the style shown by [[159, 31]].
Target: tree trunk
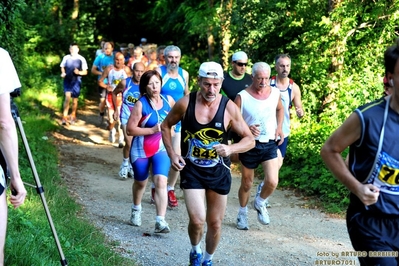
[[226, 8]]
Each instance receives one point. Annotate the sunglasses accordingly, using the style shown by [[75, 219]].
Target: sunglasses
[[240, 64]]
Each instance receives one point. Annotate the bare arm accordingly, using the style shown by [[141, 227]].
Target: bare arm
[[95, 71], [63, 74], [174, 116], [280, 119], [186, 78], [104, 75], [239, 126], [296, 99], [331, 151], [9, 148], [133, 128], [80, 72]]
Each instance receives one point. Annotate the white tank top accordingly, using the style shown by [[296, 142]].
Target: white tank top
[[261, 112], [116, 76]]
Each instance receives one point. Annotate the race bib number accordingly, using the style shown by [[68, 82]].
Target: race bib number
[[203, 155], [386, 174]]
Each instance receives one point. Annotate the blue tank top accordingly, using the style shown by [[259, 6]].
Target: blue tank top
[[173, 87], [375, 162], [286, 101]]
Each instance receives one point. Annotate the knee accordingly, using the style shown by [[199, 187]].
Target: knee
[[271, 183], [214, 225], [246, 184], [197, 223]]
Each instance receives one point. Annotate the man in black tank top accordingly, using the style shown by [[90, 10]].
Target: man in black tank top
[[206, 117]]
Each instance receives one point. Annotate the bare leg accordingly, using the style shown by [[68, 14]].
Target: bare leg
[[196, 212], [138, 190], [3, 225], [66, 104], [270, 169], [216, 207], [160, 197], [74, 107], [247, 179]]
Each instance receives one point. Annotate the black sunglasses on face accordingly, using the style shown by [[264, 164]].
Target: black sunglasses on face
[[240, 64]]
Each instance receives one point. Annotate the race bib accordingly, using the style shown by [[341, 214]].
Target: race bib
[[386, 174], [203, 155]]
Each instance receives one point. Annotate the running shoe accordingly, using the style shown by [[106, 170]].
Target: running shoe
[[111, 137], [172, 201], [162, 227], [130, 173], [207, 263], [121, 142], [124, 171], [64, 121], [73, 120], [242, 221], [152, 195], [195, 259], [258, 190], [263, 215], [135, 219]]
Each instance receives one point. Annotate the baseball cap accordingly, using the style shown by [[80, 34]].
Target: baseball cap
[[239, 56], [211, 70], [143, 40]]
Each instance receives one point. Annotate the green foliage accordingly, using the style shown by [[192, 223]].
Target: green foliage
[[12, 29], [29, 238]]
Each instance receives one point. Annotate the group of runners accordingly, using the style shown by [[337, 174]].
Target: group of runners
[[167, 131]]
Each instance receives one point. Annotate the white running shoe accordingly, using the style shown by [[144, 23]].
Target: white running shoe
[[258, 190], [124, 171], [130, 173], [135, 219], [162, 227], [121, 142], [263, 215], [242, 221], [111, 137]]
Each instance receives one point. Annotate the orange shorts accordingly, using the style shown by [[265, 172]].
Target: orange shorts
[[110, 103]]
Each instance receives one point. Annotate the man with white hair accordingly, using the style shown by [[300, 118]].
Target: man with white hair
[[175, 84], [206, 117], [263, 111]]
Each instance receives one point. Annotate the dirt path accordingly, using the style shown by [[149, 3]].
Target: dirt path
[[296, 235]]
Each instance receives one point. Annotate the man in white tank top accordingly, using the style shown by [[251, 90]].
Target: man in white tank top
[[262, 110], [115, 74]]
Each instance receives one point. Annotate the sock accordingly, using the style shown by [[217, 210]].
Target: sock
[[126, 161], [152, 185], [208, 256], [159, 218], [260, 201], [102, 113], [243, 209], [136, 207], [261, 184], [170, 188], [197, 248]]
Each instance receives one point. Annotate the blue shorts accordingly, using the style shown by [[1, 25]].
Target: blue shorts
[[72, 86], [283, 147], [260, 153], [160, 166], [373, 233]]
